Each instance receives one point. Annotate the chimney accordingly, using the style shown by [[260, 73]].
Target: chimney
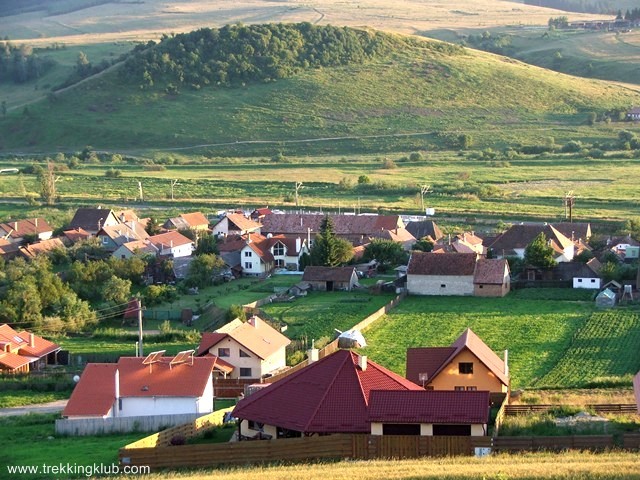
[[362, 362], [35, 221], [313, 354], [298, 244], [117, 392], [506, 362], [248, 238], [253, 321], [15, 226], [32, 340]]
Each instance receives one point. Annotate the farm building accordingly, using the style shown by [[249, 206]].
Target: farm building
[[441, 273], [328, 279], [468, 364], [581, 275], [137, 386], [250, 349], [24, 351], [491, 278]]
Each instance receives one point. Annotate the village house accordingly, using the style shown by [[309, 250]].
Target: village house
[[357, 229], [114, 236], [75, 235], [236, 224], [425, 228], [15, 231], [135, 248], [515, 240], [491, 278], [172, 244], [92, 220], [468, 364], [347, 393], [137, 386], [45, 246], [250, 349], [259, 213], [581, 275], [188, 221], [329, 279], [23, 352]]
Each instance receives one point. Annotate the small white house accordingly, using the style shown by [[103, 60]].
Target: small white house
[[172, 244], [137, 386]]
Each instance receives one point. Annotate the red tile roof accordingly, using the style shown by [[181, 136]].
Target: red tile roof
[[20, 228], [76, 234], [95, 393], [428, 263], [491, 271], [11, 360], [44, 246], [255, 335], [425, 359], [435, 407], [195, 219], [328, 396], [173, 239], [20, 343]]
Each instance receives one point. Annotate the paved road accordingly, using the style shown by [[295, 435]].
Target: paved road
[[51, 407]]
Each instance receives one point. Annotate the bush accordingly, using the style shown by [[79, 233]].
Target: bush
[[416, 157], [236, 311], [113, 173], [389, 164]]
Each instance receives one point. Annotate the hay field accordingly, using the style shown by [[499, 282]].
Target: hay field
[[131, 20]]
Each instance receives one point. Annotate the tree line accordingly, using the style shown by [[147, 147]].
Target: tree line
[[20, 64], [580, 6], [236, 54]]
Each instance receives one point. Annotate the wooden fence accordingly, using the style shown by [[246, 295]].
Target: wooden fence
[[630, 408], [333, 346], [338, 446], [631, 441]]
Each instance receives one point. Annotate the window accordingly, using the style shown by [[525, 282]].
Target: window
[[579, 280], [244, 354], [279, 263], [224, 352], [247, 254], [465, 367], [442, 285], [245, 372], [278, 250], [472, 389], [119, 404], [105, 240], [593, 280], [458, 389], [248, 265]]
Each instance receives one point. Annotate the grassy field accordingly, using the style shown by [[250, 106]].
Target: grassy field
[[319, 313], [551, 343]]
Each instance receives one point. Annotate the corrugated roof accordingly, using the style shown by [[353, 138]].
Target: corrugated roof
[[435, 407], [328, 396], [429, 263]]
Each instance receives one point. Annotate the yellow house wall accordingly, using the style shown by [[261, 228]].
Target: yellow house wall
[[481, 378]]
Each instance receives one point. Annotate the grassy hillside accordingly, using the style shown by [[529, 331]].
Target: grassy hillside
[[417, 88], [551, 343], [611, 56]]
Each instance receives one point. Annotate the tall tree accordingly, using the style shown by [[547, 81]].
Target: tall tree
[[539, 253], [48, 184], [329, 250]]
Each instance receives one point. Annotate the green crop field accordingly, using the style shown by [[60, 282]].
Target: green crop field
[[551, 343]]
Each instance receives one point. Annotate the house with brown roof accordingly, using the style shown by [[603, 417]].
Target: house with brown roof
[[236, 224], [188, 221], [431, 273], [23, 352], [357, 229], [75, 235], [14, 231], [45, 246], [92, 219], [575, 231], [515, 240], [252, 349], [425, 228], [136, 248], [137, 386], [491, 278], [114, 236], [347, 393], [468, 364], [328, 279], [172, 244]]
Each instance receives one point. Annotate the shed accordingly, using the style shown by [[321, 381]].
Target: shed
[[606, 299], [330, 278]]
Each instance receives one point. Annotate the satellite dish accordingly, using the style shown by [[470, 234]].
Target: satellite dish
[[76, 378]]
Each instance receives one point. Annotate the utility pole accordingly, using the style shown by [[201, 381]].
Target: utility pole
[[569, 202], [173, 184], [140, 350], [424, 189], [298, 187], [140, 188]]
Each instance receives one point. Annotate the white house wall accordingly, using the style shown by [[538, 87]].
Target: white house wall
[[274, 362], [253, 361], [141, 406], [587, 283], [433, 284], [247, 255], [180, 251]]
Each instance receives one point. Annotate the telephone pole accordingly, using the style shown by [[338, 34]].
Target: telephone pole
[[140, 351]]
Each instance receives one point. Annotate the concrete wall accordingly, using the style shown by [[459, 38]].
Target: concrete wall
[[587, 283], [433, 284], [142, 406], [98, 426], [482, 378]]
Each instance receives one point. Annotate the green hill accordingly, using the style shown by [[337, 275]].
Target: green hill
[[427, 89]]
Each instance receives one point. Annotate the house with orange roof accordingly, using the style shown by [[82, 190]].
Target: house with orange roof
[[75, 235], [45, 246], [188, 221], [253, 348], [468, 364], [14, 231], [236, 224], [135, 248], [172, 244], [347, 393], [24, 351], [137, 386]]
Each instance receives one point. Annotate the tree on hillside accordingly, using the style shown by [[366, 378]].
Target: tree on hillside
[[329, 250], [538, 253]]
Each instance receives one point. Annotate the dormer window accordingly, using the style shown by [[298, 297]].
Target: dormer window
[[278, 250]]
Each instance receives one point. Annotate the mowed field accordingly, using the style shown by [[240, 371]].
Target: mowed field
[[69, 22], [551, 343]]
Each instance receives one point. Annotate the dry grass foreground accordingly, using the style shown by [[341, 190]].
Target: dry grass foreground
[[570, 465], [149, 19]]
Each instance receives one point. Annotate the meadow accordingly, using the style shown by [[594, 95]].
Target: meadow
[[551, 343]]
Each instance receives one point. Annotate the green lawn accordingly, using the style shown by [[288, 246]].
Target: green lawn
[[537, 333], [320, 313], [20, 398]]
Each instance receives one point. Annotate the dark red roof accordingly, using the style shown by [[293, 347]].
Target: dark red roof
[[435, 406], [428, 263], [491, 271], [426, 360], [328, 396]]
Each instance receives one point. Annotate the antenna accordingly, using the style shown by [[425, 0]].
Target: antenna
[[182, 357], [423, 377], [153, 357]]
